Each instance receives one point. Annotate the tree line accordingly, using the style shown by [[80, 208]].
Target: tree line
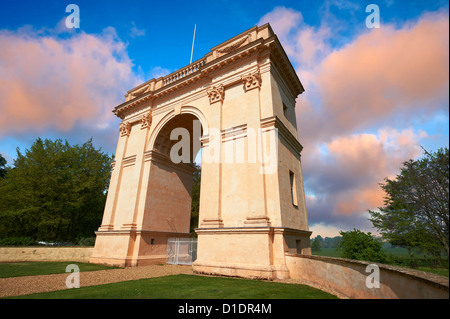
[[57, 192], [319, 242], [53, 192], [415, 213]]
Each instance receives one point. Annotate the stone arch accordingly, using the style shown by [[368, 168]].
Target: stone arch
[[247, 218], [168, 197], [187, 109]]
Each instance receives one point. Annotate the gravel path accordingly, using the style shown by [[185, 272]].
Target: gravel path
[[33, 284]]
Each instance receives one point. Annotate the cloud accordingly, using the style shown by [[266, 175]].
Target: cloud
[[362, 94], [60, 83], [304, 44], [157, 72], [384, 74], [283, 20], [324, 230], [135, 32], [344, 182]]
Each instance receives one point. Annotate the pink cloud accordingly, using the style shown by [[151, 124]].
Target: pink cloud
[[50, 82], [383, 73], [359, 201], [283, 20], [304, 44], [378, 82], [349, 175]]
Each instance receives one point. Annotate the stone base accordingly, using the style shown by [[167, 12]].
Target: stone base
[[237, 270], [242, 270], [120, 262], [249, 252], [131, 247]]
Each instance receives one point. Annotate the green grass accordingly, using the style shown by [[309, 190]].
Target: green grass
[[188, 287], [327, 252], [399, 254], [437, 271], [43, 268]]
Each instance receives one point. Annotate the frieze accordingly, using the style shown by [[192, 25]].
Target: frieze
[[234, 46]]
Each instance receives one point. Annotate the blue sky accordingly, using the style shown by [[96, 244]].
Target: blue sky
[[167, 27], [357, 127]]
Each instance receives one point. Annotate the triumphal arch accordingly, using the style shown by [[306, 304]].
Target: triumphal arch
[[236, 104]]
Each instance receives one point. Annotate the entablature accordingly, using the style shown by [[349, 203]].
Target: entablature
[[257, 42]]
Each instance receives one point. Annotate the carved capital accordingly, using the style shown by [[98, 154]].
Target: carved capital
[[216, 93], [125, 128], [145, 120], [251, 80]]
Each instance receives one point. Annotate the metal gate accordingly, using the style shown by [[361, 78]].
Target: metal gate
[[181, 251]]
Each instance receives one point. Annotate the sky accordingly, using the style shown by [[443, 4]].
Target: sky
[[373, 95]]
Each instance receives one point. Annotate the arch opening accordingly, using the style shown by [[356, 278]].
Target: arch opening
[[175, 177]]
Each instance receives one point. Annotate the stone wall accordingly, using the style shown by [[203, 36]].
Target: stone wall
[[347, 278], [17, 254]]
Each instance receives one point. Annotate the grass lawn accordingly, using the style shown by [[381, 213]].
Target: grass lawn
[[188, 287], [437, 271], [327, 252], [43, 268], [394, 251]]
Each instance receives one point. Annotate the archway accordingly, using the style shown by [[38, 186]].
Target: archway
[[168, 205], [252, 208]]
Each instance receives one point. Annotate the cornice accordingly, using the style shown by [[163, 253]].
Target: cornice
[[235, 50], [283, 132]]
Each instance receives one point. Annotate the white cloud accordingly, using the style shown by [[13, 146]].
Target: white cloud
[[64, 86], [135, 31]]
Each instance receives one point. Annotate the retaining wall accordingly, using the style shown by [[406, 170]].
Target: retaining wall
[[17, 254], [347, 278]]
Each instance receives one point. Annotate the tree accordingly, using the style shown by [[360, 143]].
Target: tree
[[358, 245], [2, 167], [195, 204], [416, 204], [316, 243], [54, 192]]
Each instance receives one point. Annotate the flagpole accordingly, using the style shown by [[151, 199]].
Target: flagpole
[[192, 51]]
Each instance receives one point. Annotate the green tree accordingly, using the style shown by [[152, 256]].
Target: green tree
[[316, 243], [54, 192], [358, 245], [195, 204], [2, 167], [416, 204]]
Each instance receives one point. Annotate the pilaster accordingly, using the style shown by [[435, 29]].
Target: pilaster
[[256, 214], [116, 176], [210, 197]]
